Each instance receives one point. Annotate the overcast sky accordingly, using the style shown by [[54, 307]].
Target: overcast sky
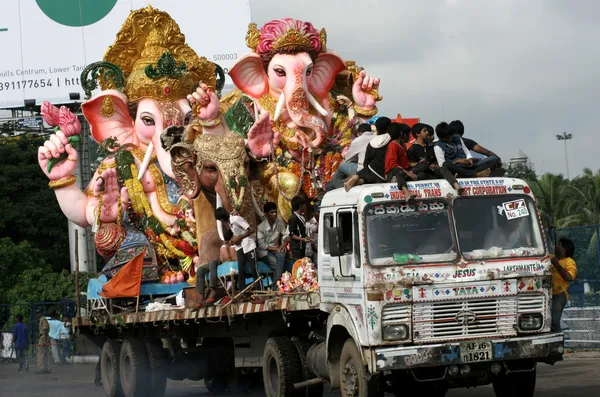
[[516, 72]]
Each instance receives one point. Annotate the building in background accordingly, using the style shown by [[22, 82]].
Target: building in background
[[521, 160]]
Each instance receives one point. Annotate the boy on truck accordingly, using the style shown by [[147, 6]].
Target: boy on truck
[[244, 242], [422, 158]]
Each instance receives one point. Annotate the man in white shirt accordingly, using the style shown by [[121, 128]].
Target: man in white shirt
[[272, 240], [452, 153], [354, 157], [244, 242]]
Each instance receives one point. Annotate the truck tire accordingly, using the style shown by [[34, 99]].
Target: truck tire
[[216, 380], [134, 368], [109, 368], [281, 368], [515, 385], [355, 380], [311, 391], [157, 360]]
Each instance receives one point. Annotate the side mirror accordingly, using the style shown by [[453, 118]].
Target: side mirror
[[336, 244]]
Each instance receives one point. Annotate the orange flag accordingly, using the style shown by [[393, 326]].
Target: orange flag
[[128, 282]]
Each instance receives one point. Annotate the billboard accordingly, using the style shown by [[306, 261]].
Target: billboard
[[47, 43]]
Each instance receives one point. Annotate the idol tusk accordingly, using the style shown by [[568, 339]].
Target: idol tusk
[[317, 105], [146, 162], [279, 107], [219, 203]]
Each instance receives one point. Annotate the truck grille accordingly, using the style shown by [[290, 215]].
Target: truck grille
[[437, 321], [395, 315]]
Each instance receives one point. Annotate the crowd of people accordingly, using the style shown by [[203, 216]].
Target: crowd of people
[[394, 152], [53, 344], [267, 244]]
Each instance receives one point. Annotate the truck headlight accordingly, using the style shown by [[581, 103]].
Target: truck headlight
[[395, 332], [531, 322]]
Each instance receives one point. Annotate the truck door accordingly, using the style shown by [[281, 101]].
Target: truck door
[[347, 221]]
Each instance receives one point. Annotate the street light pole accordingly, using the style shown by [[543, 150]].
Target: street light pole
[[565, 137]]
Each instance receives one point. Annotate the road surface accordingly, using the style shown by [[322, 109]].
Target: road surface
[[577, 376]]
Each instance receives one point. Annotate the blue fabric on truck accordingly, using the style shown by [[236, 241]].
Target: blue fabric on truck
[[153, 288]]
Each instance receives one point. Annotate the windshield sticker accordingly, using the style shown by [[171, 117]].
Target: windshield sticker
[[513, 209], [393, 208]]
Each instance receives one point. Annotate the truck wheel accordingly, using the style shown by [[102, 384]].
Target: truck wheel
[[109, 368], [281, 368], [311, 391], [134, 368], [515, 385], [158, 368], [354, 377], [216, 380]]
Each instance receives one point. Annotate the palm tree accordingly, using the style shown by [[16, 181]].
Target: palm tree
[[584, 200], [551, 196]]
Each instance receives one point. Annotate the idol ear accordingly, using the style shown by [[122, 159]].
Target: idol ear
[[326, 68], [249, 76], [108, 115]]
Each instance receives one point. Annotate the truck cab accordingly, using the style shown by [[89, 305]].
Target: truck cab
[[453, 293]]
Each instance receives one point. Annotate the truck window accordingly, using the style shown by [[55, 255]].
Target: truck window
[[327, 223], [498, 227], [397, 233], [345, 222]]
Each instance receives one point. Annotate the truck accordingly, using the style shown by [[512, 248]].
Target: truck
[[453, 292]]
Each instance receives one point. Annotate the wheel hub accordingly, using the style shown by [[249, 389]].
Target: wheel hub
[[351, 380]]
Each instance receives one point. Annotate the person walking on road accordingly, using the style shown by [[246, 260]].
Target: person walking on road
[[20, 340], [43, 348]]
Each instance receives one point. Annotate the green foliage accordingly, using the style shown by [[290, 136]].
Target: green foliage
[[28, 208], [521, 171], [42, 285], [16, 258]]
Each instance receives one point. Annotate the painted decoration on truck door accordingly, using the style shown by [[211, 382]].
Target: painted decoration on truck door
[[372, 317]]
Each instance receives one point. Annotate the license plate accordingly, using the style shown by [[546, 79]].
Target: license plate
[[472, 352]]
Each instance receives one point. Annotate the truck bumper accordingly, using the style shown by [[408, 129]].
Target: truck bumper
[[538, 347]]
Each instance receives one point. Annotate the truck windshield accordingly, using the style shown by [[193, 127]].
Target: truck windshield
[[399, 234], [497, 227]]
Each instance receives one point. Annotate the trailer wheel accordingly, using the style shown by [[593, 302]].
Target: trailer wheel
[[134, 368], [515, 385], [311, 391], [281, 368], [158, 368], [109, 368], [355, 379]]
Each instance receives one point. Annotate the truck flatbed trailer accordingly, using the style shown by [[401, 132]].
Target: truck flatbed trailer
[[272, 303]]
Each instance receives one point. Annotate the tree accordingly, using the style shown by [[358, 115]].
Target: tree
[[521, 171], [14, 260], [28, 208], [552, 198]]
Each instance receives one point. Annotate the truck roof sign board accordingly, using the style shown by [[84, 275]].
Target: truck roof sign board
[[47, 43]]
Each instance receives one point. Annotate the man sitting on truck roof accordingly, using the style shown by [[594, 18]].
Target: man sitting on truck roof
[[374, 164], [451, 152], [422, 159], [354, 157], [397, 167], [458, 128]]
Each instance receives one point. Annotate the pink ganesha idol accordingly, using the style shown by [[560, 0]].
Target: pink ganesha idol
[[289, 107]]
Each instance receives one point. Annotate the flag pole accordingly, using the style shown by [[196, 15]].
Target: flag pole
[[78, 312]]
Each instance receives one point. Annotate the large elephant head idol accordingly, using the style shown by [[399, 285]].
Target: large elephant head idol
[[212, 170], [289, 77], [133, 200]]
